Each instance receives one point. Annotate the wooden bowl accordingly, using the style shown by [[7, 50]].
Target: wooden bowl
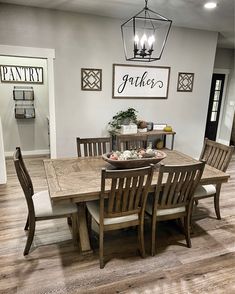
[[134, 163]]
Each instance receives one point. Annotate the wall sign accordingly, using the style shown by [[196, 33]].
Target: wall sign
[[21, 74], [131, 81]]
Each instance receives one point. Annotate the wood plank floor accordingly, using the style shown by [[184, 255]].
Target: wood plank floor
[[54, 265]]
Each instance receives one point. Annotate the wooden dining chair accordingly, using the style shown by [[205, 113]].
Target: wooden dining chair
[[39, 204], [172, 198], [216, 155], [126, 192], [129, 142], [93, 146]]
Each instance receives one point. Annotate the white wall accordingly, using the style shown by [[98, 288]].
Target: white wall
[[30, 134], [225, 60], [89, 41]]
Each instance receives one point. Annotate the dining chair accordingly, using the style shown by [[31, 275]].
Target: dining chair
[[128, 142], [216, 155], [173, 195], [122, 203], [39, 204], [93, 146]]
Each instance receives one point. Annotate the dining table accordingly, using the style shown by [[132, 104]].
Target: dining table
[[78, 180]]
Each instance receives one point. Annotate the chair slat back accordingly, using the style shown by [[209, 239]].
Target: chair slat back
[[125, 142], [128, 190], [216, 154], [93, 146], [176, 184], [24, 178]]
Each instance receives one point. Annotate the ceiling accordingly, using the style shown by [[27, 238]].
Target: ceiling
[[184, 13]]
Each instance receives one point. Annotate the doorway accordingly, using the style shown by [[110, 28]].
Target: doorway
[[24, 105], [49, 55], [213, 114]]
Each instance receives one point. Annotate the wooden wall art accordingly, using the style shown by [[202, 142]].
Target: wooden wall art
[[140, 81], [185, 82], [91, 79]]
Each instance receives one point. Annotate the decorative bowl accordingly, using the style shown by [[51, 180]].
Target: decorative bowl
[[134, 163]]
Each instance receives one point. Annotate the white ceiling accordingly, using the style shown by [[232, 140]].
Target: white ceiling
[[185, 13]]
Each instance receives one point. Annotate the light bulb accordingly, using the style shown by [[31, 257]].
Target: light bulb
[[136, 39], [143, 39], [151, 40]]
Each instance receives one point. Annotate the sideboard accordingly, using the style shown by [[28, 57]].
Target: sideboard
[[154, 134]]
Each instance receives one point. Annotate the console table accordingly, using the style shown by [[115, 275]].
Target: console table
[[154, 134]]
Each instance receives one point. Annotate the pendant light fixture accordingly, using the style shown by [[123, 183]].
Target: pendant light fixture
[[144, 35]]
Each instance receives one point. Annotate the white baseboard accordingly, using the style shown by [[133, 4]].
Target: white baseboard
[[29, 153]]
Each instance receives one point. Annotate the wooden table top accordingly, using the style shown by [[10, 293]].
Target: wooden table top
[[79, 179]]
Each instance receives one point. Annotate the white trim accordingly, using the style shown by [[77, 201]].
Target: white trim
[[32, 52], [3, 173], [223, 142], [44, 53], [222, 108], [29, 153]]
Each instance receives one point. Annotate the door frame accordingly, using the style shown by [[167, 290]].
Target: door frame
[[222, 108], [49, 55]]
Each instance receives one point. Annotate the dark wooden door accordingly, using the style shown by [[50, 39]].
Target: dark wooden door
[[216, 94]]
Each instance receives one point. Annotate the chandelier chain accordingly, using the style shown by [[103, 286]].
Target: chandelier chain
[[146, 4]]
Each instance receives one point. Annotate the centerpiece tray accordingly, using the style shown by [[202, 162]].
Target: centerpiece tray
[[134, 163]]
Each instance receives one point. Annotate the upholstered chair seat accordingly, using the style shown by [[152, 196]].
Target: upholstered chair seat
[[44, 208], [94, 209], [204, 191]]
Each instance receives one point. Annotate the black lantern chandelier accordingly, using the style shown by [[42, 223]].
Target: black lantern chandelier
[[144, 35]]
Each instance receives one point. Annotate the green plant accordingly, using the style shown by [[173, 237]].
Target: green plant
[[122, 117]]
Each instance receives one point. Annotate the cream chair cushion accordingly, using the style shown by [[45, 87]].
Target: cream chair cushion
[[160, 212], [204, 190], [94, 209], [43, 206]]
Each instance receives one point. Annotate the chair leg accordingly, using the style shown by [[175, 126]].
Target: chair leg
[[216, 202], [153, 236], [27, 224], [187, 222], [30, 236], [101, 247], [141, 239]]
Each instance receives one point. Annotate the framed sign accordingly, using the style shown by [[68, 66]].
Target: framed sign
[[140, 81], [21, 74]]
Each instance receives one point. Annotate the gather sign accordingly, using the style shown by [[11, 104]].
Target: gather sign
[[131, 81], [21, 74]]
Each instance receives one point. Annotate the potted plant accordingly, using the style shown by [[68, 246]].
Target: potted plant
[[123, 117]]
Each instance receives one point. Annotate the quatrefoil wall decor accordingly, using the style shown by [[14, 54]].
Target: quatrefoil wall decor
[[185, 82], [91, 79]]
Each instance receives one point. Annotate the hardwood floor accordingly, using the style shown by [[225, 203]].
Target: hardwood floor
[[54, 265]]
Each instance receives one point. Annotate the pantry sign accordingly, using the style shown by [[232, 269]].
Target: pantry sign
[[21, 74]]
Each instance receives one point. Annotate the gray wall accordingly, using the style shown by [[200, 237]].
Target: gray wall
[[89, 41]]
